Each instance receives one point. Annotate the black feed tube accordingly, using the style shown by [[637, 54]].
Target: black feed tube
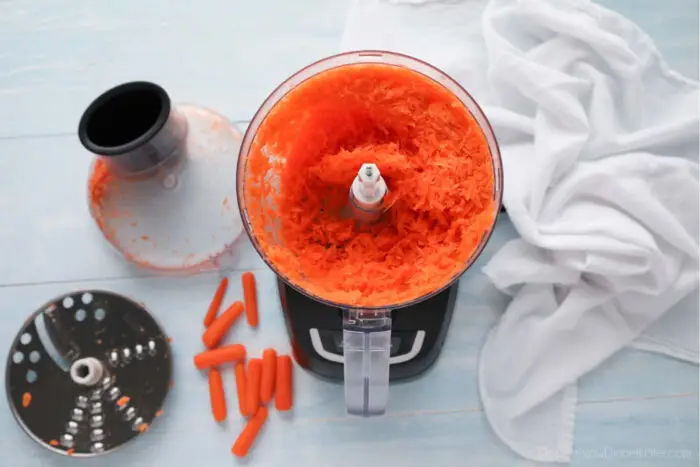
[[132, 126]]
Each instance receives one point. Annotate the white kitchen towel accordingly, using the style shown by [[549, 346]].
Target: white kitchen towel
[[599, 140]]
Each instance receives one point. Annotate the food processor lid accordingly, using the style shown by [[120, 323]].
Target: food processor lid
[[162, 188]]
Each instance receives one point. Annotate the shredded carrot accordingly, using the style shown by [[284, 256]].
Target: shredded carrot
[[71, 451], [216, 302], [53, 442], [170, 340], [250, 298], [143, 427], [160, 412], [123, 401], [26, 399], [97, 185], [432, 154]]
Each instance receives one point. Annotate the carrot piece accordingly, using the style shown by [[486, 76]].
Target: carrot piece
[[26, 399], [209, 358], [216, 330], [250, 298], [217, 395], [269, 372], [241, 388], [252, 393], [247, 437], [53, 442], [216, 302], [123, 401], [71, 451], [285, 389]]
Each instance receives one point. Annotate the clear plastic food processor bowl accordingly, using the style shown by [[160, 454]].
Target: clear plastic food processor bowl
[[366, 331]]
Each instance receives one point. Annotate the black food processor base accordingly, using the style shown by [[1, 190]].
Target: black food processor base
[[417, 336]]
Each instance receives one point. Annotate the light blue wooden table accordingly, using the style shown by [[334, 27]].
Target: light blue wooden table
[[56, 55]]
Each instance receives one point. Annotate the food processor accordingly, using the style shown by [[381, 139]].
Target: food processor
[[160, 187], [366, 346]]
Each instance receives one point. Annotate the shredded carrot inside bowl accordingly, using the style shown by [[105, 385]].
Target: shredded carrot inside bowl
[[432, 154]]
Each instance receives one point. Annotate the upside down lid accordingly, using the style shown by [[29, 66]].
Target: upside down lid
[[161, 185]]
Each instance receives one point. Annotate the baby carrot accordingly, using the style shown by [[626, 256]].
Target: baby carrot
[[216, 330], [216, 302], [247, 437], [209, 358], [284, 389], [216, 395], [267, 381], [252, 392], [250, 298], [240, 387]]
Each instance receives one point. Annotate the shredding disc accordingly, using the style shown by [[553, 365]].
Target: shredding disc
[[88, 372]]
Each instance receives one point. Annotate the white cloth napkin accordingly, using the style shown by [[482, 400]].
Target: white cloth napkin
[[600, 144]]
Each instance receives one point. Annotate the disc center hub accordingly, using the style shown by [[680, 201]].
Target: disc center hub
[[86, 371]]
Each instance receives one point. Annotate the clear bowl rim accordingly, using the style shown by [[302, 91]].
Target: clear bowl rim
[[494, 151]]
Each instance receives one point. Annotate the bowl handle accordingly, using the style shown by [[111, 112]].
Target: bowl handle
[[366, 349]]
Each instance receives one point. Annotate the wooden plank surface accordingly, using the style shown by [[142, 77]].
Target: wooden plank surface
[[637, 409]]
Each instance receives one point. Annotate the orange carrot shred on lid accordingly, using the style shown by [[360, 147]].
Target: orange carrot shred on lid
[[428, 147], [216, 395], [284, 385], [247, 437], [250, 298], [252, 398], [71, 451], [269, 373], [26, 399], [214, 357], [160, 412], [241, 387], [216, 302], [53, 442], [216, 330]]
